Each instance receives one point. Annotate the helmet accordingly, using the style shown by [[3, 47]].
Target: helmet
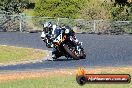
[[47, 27], [47, 24], [67, 29]]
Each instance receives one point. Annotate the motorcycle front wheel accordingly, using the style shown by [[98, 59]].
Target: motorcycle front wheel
[[70, 52]]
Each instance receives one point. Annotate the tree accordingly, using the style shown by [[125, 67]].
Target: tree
[[120, 12], [58, 8], [96, 10], [12, 6]]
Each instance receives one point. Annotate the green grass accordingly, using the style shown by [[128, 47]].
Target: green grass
[[56, 82], [10, 54]]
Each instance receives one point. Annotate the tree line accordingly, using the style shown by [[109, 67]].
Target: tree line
[[86, 9]]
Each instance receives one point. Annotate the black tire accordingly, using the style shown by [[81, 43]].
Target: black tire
[[70, 52]]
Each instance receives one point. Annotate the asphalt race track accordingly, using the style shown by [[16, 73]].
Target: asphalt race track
[[101, 50]]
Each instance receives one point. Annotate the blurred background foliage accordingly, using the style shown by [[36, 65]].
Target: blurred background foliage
[[99, 9], [11, 7], [58, 8], [82, 9]]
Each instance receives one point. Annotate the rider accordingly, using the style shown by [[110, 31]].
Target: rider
[[48, 32], [52, 32]]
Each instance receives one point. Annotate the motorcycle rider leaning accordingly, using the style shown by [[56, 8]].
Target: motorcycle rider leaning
[[52, 31]]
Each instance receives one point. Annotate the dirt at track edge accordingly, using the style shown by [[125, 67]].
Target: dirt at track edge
[[8, 76]]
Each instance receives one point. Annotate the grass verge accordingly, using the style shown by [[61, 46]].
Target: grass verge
[[11, 54], [61, 79]]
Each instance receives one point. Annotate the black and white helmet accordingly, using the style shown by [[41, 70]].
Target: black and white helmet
[[47, 27], [47, 24], [67, 29]]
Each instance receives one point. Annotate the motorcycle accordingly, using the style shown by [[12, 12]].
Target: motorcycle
[[66, 47]]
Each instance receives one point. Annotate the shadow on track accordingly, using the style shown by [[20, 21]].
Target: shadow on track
[[62, 59]]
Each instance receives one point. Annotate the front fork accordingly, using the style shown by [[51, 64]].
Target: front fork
[[78, 49], [77, 46]]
